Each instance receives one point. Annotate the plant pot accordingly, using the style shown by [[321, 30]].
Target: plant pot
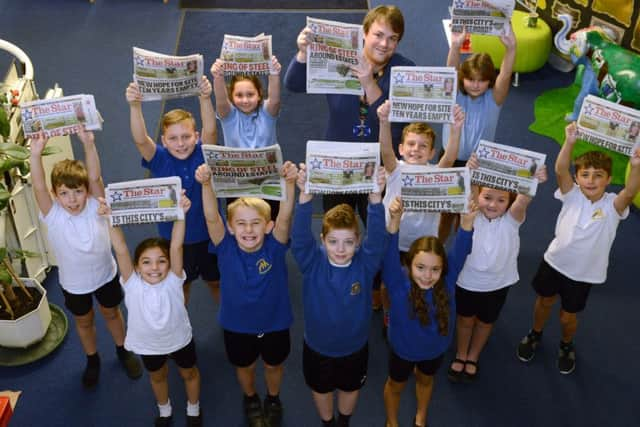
[[31, 327]]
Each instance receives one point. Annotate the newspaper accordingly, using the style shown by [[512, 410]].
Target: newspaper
[[336, 47], [481, 16], [246, 55], [423, 94], [342, 167], [145, 201], [60, 116], [162, 76], [609, 125], [507, 168], [427, 189], [246, 172]]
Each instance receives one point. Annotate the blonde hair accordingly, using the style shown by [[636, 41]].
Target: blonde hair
[[177, 116], [258, 205], [70, 173], [419, 129], [340, 217]]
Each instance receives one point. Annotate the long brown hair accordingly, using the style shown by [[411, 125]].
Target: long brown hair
[[418, 306]]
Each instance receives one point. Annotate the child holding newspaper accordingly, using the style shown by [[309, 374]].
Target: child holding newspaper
[[417, 147], [80, 240], [255, 310], [422, 310], [338, 277], [488, 273], [159, 326], [180, 154]]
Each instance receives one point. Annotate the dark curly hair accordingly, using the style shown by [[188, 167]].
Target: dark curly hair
[[418, 306]]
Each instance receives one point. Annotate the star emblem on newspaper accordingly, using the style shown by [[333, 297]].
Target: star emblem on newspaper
[[314, 28], [139, 61], [26, 114], [407, 181], [459, 4], [116, 196], [316, 163], [483, 153], [398, 79], [588, 109]]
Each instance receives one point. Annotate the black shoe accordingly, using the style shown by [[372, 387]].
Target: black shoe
[[253, 411], [163, 421], [194, 420], [453, 375], [273, 412], [566, 358], [528, 345], [468, 377], [91, 374], [131, 365]]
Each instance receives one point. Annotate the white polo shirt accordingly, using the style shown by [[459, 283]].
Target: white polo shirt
[[82, 247], [584, 235]]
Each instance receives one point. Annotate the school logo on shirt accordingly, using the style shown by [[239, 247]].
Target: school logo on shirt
[[263, 266], [355, 288], [597, 214]]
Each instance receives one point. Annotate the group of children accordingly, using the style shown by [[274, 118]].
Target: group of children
[[433, 295]]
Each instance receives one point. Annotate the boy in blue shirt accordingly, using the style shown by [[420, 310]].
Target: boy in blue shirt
[[180, 154], [255, 311], [338, 279]]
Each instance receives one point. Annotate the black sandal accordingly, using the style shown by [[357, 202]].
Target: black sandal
[[467, 377], [453, 375]]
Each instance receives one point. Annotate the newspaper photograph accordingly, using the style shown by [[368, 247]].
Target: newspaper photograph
[[162, 76], [481, 16], [246, 172], [144, 201], [423, 94], [427, 189], [246, 55], [336, 47], [507, 168], [608, 125], [60, 116], [342, 167]]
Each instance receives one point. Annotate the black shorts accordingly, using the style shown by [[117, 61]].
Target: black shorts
[[244, 349], [324, 374], [400, 369], [549, 282], [486, 306], [198, 261], [358, 202], [184, 358], [108, 295]]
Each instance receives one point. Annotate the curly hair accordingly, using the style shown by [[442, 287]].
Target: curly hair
[[418, 306]]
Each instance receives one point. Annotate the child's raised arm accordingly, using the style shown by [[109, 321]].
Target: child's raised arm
[[145, 145], [223, 104], [375, 198], [40, 190], [453, 58], [282, 229], [215, 225], [300, 182], [519, 207], [272, 104], [451, 152], [386, 145], [92, 161], [563, 161], [626, 195], [395, 214], [466, 219], [177, 238], [503, 81], [119, 244], [208, 114], [303, 41]]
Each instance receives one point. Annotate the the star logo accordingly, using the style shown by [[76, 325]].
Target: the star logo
[[459, 4], [316, 163], [116, 196], [398, 79], [588, 109], [139, 61], [26, 114], [483, 153], [407, 181]]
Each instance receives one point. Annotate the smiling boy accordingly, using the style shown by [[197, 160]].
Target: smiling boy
[[588, 219]]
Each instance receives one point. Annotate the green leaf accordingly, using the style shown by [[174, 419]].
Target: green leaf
[[8, 164], [3, 253], [49, 150], [4, 123], [14, 151], [25, 254], [5, 277], [5, 195]]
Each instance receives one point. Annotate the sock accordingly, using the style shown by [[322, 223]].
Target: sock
[[165, 410], [272, 399], [193, 409], [251, 398], [121, 352], [93, 360], [343, 420], [328, 423]]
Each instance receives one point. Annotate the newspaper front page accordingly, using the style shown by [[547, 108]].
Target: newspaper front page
[[336, 47], [609, 125], [423, 94], [145, 201], [481, 16], [507, 168], [162, 76], [426, 189], [342, 167], [60, 116], [246, 55], [246, 172]]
